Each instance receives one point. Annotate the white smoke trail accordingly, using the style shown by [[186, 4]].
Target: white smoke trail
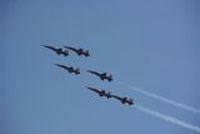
[[166, 100], [168, 118]]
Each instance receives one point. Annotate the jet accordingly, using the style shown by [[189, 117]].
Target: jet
[[124, 100], [102, 76], [79, 51], [101, 92], [69, 69], [58, 51]]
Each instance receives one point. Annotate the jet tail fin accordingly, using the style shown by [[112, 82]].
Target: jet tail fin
[[87, 53], [110, 77], [77, 71]]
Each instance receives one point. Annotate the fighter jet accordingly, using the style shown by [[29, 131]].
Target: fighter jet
[[102, 76], [124, 100], [101, 92], [58, 51], [79, 51], [69, 69]]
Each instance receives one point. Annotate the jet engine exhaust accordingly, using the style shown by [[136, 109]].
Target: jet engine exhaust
[[168, 118], [163, 99]]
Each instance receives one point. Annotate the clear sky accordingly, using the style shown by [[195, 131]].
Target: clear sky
[[153, 45]]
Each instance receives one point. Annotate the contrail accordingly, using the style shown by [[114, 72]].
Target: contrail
[[168, 118], [163, 99]]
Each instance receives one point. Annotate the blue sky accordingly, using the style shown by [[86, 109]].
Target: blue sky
[[153, 45]]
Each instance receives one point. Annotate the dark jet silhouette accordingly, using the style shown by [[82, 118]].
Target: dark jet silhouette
[[102, 76], [124, 100], [101, 92], [79, 51], [58, 51], [69, 69]]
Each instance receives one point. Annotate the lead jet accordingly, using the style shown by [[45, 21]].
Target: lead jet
[[58, 51], [79, 51], [124, 100], [69, 69], [101, 92], [102, 76]]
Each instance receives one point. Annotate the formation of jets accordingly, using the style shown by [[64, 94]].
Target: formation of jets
[[103, 76]]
